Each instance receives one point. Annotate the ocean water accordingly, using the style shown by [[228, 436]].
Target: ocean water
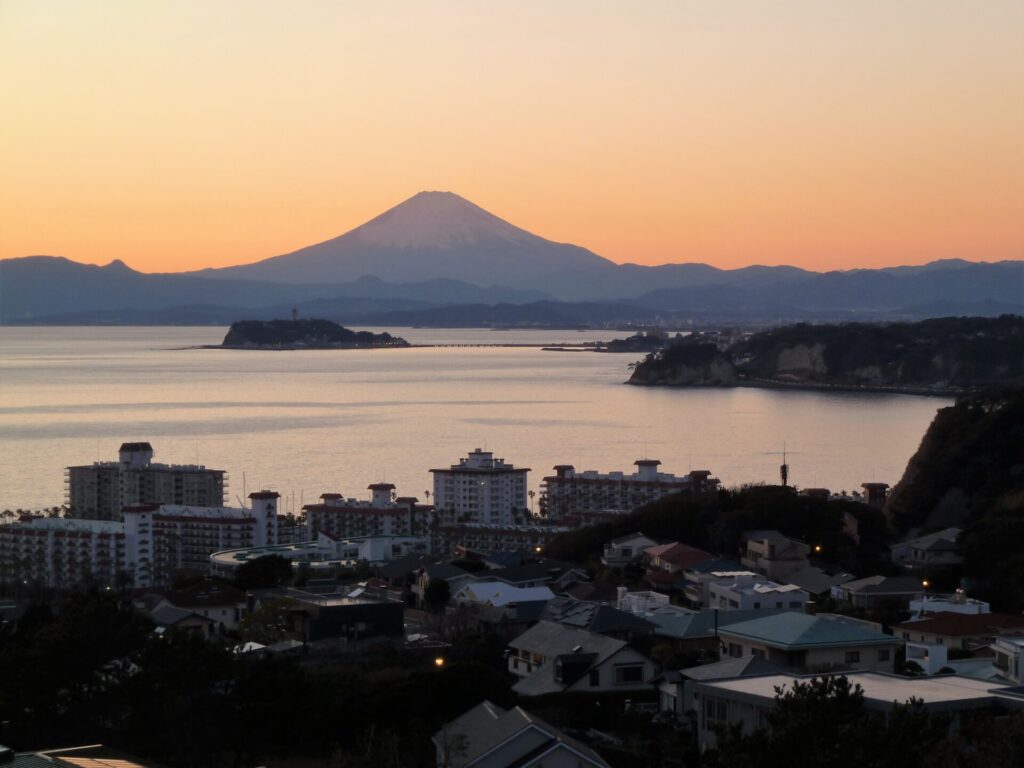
[[310, 422]]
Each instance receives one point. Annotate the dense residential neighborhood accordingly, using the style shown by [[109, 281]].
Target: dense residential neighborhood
[[631, 615]]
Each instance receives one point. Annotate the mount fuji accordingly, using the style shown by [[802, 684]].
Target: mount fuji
[[432, 235]]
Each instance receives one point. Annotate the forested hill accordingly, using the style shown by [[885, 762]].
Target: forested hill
[[950, 354], [969, 472], [303, 334]]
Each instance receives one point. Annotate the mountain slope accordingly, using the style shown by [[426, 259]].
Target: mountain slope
[[37, 287], [429, 236]]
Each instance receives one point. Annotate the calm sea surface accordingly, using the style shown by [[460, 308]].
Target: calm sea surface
[[306, 423]]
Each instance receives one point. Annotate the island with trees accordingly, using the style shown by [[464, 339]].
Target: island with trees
[[943, 356], [303, 334]]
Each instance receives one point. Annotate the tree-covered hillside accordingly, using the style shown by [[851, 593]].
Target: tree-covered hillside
[[969, 471], [948, 354], [303, 333]]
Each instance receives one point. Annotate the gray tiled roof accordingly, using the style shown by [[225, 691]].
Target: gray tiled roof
[[800, 630]]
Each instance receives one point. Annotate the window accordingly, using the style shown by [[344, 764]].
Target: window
[[626, 674], [759, 652], [757, 605], [735, 650], [716, 711], [883, 654], [853, 657], [778, 604], [595, 678]]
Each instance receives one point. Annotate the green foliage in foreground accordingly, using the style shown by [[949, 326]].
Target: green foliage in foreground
[[92, 671]]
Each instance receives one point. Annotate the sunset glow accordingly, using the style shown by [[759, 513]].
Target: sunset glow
[[177, 136]]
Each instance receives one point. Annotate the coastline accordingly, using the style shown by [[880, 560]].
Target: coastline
[[944, 392]]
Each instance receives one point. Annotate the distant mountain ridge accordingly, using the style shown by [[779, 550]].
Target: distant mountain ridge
[[436, 251]]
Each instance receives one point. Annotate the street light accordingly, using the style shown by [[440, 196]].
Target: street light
[[925, 583], [817, 548], [439, 662]]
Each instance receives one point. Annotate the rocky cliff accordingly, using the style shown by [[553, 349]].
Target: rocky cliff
[[686, 363]]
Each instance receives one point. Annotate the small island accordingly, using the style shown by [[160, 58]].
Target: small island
[[303, 334]]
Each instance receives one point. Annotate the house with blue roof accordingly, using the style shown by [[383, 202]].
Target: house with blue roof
[[803, 643]]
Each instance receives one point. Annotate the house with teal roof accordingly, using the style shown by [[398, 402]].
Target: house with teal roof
[[803, 643]]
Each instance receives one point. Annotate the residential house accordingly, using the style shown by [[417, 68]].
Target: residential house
[[213, 599], [933, 550], [749, 593], [490, 736], [771, 554], [595, 617], [167, 617], [497, 594], [816, 582], [455, 576], [674, 557], [85, 756], [697, 577], [1009, 657], [624, 550], [805, 643], [551, 657], [968, 632], [958, 602], [332, 618], [745, 701], [875, 592], [541, 572], [675, 694]]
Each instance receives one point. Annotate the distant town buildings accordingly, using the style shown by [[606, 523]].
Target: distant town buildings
[[569, 493], [771, 554], [147, 548], [748, 593], [481, 489], [381, 515], [100, 491]]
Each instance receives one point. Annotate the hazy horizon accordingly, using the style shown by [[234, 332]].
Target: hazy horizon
[[819, 135]]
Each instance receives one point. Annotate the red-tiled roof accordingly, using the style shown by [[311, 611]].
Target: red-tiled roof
[[681, 555], [963, 624]]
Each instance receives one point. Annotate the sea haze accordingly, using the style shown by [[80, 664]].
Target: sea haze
[[310, 422]]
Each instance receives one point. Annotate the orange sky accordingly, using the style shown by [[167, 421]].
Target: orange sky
[[178, 135]]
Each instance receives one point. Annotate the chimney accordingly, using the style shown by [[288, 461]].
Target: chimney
[[620, 595]]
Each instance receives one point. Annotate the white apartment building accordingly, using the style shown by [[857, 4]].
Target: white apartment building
[[568, 492], [481, 489], [165, 539], [446, 538], [99, 491], [146, 549], [61, 553], [747, 592], [342, 518]]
